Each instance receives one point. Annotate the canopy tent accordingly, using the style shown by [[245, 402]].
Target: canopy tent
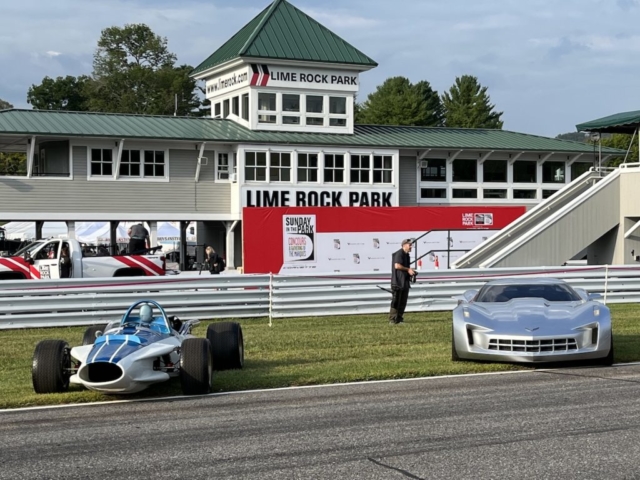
[[626, 123], [27, 230]]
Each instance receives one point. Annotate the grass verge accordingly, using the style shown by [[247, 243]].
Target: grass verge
[[302, 351]]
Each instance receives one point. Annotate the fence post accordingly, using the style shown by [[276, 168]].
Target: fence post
[[270, 298], [606, 282]]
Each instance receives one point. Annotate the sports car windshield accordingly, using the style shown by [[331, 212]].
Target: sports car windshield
[[504, 293]]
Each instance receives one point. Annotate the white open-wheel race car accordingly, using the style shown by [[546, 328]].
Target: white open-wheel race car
[[144, 347]]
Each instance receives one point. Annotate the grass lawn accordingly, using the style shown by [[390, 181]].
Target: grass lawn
[[302, 351]]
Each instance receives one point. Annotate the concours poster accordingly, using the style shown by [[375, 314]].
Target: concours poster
[[299, 238]]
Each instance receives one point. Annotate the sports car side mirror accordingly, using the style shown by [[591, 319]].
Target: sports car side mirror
[[594, 296], [29, 259]]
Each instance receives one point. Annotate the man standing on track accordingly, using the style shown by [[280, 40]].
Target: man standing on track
[[401, 273]]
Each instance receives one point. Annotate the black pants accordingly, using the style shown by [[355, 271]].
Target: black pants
[[398, 304], [136, 245]]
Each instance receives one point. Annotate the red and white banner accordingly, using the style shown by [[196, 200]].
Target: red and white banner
[[362, 239]]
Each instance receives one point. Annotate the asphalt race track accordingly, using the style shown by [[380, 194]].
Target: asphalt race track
[[569, 423]]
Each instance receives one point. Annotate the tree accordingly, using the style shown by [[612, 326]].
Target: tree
[[63, 93], [574, 136], [621, 141], [467, 105], [134, 72], [12, 163], [399, 102]]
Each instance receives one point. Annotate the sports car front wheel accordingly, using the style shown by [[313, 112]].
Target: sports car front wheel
[[51, 367], [196, 366]]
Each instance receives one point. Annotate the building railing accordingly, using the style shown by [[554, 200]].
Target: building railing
[[75, 302]]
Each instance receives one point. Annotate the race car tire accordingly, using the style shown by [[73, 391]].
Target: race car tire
[[196, 366], [227, 345], [454, 352], [91, 333], [50, 369]]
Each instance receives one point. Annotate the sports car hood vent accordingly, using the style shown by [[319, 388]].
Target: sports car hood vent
[[528, 309]]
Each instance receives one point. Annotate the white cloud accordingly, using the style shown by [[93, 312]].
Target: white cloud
[[52, 54]]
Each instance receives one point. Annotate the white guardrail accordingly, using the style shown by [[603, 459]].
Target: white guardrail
[[73, 302]]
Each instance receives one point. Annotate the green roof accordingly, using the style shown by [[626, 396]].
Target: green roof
[[626, 122], [282, 32], [89, 124]]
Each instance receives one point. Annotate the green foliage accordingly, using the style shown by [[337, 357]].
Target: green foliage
[[621, 141], [63, 93], [13, 164], [467, 105], [399, 102], [574, 136], [133, 72], [4, 105]]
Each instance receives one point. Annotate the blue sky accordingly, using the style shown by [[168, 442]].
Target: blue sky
[[548, 64]]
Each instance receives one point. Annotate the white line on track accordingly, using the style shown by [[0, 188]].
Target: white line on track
[[303, 387]]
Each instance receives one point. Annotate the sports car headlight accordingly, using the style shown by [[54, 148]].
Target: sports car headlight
[[596, 311]]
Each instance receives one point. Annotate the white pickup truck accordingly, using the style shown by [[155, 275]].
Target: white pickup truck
[[41, 260]]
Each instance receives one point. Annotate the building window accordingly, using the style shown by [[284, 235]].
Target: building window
[[333, 168], [382, 169], [578, 169], [465, 193], [216, 109], [495, 171], [130, 163], [255, 168], [436, 171], [267, 103], [529, 194], [280, 167], [154, 163], [494, 193], [548, 193], [553, 172], [245, 106], [291, 104], [225, 108], [223, 166], [315, 104], [101, 161], [337, 122], [360, 168], [235, 106], [307, 167], [465, 171], [433, 193], [338, 105], [525, 172]]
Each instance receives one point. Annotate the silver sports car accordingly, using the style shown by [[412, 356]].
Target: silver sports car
[[531, 320]]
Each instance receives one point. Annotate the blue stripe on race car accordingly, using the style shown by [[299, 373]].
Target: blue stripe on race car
[[113, 353], [113, 348]]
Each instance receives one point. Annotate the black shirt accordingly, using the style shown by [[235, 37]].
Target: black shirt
[[400, 278], [138, 232]]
